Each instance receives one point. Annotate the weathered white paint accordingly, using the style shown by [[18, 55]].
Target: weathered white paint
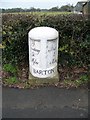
[[43, 52]]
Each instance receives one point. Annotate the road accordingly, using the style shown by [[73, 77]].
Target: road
[[44, 102]]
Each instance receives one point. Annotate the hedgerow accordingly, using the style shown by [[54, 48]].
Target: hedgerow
[[74, 37]]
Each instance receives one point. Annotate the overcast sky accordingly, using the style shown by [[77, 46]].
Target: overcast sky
[[36, 3]]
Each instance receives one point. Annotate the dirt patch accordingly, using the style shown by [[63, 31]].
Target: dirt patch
[[69, 77], [72, 73]]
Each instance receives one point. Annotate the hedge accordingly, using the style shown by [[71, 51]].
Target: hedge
[[74, 37]]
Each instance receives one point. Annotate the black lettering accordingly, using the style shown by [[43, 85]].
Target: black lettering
[[52, 70], [34, 70], [34, 61], [40, 72], [54, 61], [49, 71], [45, 71]]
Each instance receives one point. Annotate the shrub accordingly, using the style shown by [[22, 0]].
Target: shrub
[[15, 37], [74, 37]]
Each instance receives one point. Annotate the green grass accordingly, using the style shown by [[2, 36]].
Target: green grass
[[11, 80], [12, 74], [9, 68], [83, 80]]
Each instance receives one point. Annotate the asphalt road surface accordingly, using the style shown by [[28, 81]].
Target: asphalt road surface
[[45, 102]]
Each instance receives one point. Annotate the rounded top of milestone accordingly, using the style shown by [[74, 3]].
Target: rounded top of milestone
[[43, 33]]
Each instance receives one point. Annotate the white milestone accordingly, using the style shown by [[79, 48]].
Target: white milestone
[[43, 52]]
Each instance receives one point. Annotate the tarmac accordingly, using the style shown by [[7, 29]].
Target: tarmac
[[44, 102]]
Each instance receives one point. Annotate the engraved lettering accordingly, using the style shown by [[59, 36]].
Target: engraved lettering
[[34, 61], [43, 72]]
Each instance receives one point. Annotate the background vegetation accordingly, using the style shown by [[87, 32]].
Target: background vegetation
[[74, 38]]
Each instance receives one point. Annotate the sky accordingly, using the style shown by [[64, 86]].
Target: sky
[[43, 4]]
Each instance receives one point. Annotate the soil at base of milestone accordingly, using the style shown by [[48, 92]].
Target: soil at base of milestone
[[65, 74]]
